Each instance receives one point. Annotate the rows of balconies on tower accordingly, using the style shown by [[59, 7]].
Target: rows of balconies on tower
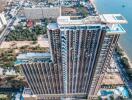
[[43, 78], [80, 50]]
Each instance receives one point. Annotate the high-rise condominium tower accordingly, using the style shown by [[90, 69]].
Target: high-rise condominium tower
[[81, 49]]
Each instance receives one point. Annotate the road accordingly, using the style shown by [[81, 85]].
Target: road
[[10, 23]]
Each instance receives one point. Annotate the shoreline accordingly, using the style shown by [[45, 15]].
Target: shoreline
[[124, 52], [94, 5], [125, 55]]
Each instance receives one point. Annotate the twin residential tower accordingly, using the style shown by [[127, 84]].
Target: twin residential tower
[[81, 50]]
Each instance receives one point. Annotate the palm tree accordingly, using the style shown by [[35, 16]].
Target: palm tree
[[99, 98], [111, 97], [119, 98]]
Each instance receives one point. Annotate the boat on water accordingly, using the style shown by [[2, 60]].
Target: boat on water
[[123, 6]]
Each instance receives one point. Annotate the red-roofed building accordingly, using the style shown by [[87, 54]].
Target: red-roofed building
[[29, 23]]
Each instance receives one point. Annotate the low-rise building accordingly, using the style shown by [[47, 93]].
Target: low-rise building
[[3, 21]]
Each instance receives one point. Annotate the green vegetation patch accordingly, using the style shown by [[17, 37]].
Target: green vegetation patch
[[34, 49], [82, 10], [7, 58], [124, 61], [25, 34]]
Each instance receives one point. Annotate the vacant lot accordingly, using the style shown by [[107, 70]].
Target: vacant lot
[[41, 41], [2, 5]]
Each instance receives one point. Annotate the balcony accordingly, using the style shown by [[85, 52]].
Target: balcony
[[115, 29]]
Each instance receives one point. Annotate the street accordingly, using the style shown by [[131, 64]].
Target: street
[[6, 31]]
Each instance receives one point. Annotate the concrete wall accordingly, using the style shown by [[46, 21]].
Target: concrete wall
[[40, 13]]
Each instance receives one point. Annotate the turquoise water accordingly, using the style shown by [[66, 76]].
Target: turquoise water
[[123, 7], [106, 93]]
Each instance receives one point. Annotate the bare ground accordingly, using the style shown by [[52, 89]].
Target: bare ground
[[2, 5], [42, 42]]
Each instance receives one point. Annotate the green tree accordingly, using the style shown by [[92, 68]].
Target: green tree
[[119, 51], [99, 98], [119, 98], [111, 97], [125, 62]]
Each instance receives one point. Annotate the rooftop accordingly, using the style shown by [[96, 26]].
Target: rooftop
[[52, 26], [113, 19], [33, 55], [72, 20], [104, 18]]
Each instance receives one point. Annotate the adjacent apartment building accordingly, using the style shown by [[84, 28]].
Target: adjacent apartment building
[[81, 50]]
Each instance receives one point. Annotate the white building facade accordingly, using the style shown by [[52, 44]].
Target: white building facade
[[3, 21]]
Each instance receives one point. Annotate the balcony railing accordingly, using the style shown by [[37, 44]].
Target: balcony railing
[[117, 29]]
